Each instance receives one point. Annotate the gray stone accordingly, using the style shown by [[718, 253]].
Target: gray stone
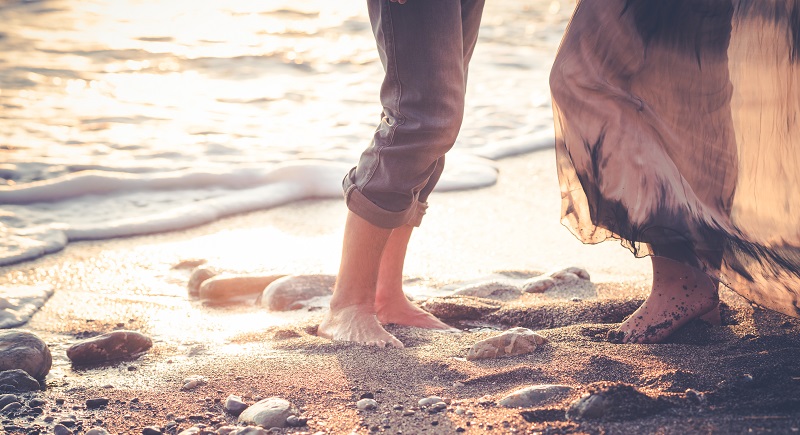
[[252, 431], [613, 402], [227, 287], [535, 395], [430, 400], [18, 381], [268, 413], [60, 429], [235, 405], [109, 347], [198, 277], [515, 341], [540, 284], [96, 431], [194, 430], [461, 307], [151, 430], [5, 399], [490, 290], [11, 407], [589, 406], [224, 430], [290, 291], [193, 382], [366, 404], [25, 351], [97, 402], [19, 304], [566, 274]]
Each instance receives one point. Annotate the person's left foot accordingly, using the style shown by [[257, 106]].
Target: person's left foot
[[679, 294], [401, 311]]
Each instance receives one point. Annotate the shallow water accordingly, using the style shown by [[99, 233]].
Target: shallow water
[[124, 117]]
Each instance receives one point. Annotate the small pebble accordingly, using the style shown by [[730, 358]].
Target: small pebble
[[366, 404], [367, 396], [408, 413], [151, 430], [96, 431], [398, 407], [430, 400], [95, 403], [60, 429]]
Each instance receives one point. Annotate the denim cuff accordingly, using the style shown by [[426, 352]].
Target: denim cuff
[[368, 210]]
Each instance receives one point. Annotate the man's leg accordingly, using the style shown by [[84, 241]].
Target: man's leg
[[352, 313]]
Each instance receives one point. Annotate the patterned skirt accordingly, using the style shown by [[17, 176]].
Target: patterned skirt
[[678, 133]]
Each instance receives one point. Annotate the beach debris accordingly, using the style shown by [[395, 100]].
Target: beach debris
[[96, 431], [366, 404], [539, 284], [189, 263], [226, 287], [235, 405], [19, 304], [534, 395], [112, 346], [614, 401], [193, 382], [490, 290], [288, 292], [268, 413], [460, 307], [25, 351], [60, 429], [515, 341], [198, 277], [430, 400], [18, 381], [5, 399], [97, 402]]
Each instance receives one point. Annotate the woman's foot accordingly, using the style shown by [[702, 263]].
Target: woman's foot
[[358, 324], [400, 311], [680, 294]]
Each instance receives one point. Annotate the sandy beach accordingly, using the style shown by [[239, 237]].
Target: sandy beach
[[741, 377]]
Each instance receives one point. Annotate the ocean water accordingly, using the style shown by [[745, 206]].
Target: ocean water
[[126, 117]]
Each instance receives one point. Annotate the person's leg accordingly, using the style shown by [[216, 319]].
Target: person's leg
[[352, 307], [391, 304], [680, 293]]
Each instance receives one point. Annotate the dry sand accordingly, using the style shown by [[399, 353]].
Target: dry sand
[[747, 371]]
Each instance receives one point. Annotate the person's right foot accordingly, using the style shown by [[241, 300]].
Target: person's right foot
[[358, 324]]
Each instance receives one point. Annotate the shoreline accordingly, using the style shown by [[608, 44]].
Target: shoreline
[[746, 371]]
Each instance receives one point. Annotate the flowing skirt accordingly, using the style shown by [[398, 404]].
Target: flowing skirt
[[678, 133]]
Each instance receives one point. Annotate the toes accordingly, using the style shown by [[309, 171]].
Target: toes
[[396, 343]]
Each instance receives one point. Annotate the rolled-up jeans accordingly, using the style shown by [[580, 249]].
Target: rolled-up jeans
[[425, 47]]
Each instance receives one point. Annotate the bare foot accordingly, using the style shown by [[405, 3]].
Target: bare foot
[[680, 293], [402, 312], [356, 323]]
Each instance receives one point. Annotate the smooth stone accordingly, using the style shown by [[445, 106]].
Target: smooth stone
[[460, 307], [288, 292], [194, 430], [538, 285], [224, 430], [366, 404], [25, 351], [251, 430], [11, 407], [430, 400], [151, 430], [60, 429], [226, 287], [189, 263], [97, 402], [198, 277], [96, 431], [515, 341], [109, 347], [269, 412], [235, 405], [490, 290], [565, 274], [5, 399], [193, 382], [19, 304], [18, 381], [535, 395]]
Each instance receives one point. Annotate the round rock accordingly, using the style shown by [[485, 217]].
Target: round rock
[[490, 290], [538, 285], [18, 381], [515, 341], [535, 395], [430, 400], [366, 404], [235, 405], [224, 288], [96, 431], [198, 277], [151, 430], [60, 429], [25, 351], [109, 347], [288, 292], [268, 413], [5, 399]]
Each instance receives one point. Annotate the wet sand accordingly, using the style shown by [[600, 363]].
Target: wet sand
[[744, 376]]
